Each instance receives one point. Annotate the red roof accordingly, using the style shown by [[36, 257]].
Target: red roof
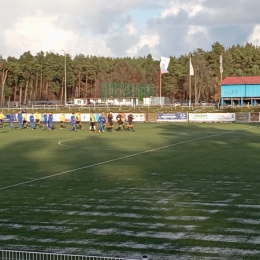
[[241, 80]]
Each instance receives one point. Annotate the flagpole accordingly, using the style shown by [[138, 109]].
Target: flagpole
[[220, 85], [190, 83], [163, 69], [160, 88], [189, 91], [195, 87], [221, 74]]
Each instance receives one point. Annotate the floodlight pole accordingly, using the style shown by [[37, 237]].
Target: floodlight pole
[[195, 85], [65, 78]]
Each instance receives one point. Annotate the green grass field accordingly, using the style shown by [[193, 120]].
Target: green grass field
[[168, 191]]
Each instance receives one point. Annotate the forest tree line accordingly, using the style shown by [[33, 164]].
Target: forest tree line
[[42, 76]]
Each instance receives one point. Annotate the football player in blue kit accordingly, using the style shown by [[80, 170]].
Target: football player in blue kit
[[44, 120], [102, 122], [12, 118], [73, 122], [50, 121], [32, 121], [20, 120]]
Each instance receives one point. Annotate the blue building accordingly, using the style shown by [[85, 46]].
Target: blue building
[[240, 91]]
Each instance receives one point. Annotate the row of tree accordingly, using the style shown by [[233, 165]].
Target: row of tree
[[42, 77]]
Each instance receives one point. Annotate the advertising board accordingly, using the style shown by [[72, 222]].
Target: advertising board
[[212, 117], [242, 117], [254, 117], [173, 117]]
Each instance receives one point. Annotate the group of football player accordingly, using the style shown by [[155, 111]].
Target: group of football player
[[33, 121], [105, 122]]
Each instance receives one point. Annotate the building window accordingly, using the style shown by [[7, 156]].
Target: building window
[[103, 100]]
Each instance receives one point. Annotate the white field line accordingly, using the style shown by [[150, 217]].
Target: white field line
[[121, 158], [85, 148], [60, 142]]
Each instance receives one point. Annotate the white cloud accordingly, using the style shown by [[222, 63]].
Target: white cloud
[[39, 33], [254, 37], [131, 29], [195, 10], [122, 28], [150, 41], [192, 8], [196, 37], [193, 30], [173, 10]]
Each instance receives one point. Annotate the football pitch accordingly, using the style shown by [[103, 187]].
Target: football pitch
[[168, 191]]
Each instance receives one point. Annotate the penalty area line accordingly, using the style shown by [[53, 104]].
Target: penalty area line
[[121, 158]]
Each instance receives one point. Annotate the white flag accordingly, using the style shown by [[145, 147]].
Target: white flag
[[164, 64], [221, 64], [191, 68]]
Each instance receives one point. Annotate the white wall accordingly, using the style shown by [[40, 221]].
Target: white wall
[[110, 101]]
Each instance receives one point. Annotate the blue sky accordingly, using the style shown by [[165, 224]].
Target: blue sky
[[132, 28], [141, 15]]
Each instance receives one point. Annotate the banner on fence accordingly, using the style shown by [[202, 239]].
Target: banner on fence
[[7, 118], [84, 117], [212, 117], [138, 117], [163, 117], [152, 117], [254, 117], [242, 117], [173, 117]]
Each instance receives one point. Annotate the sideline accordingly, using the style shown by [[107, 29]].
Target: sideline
[[123, 157]]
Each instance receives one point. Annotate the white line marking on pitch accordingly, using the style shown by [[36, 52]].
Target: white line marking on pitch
[[67, 140], [85, 148], [121, 158]]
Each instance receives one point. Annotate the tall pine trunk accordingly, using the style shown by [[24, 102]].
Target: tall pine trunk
[[95, 86], [46, 90], [20, 96], [91, 88], [40, 90], [30, 96], [79, 86], [4, 76], [36, 86], [61, 91], [86, 87], [15, 90], [25, 92]]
